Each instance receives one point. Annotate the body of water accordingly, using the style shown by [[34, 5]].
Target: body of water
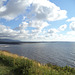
[[57, 53]]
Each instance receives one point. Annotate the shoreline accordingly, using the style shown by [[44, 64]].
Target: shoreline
[[13, 64], [14, 54]]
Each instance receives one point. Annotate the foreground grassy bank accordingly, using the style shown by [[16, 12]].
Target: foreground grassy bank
[[12, 64]]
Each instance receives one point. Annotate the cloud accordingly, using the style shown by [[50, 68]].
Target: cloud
[[2, 8], [72, 26], [45, 10], [14, 8], [71, 33], [6, 32], [36, 15], [39, 9], [21, 31], [22, 34], [38, 24], [22, 26], [52, 30], [1, 2], [62, 27], [71, 19]]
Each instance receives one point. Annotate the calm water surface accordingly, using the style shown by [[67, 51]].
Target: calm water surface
[[59, 53]]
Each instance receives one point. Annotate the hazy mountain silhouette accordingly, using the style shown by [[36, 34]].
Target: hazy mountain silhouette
[[9, 41]]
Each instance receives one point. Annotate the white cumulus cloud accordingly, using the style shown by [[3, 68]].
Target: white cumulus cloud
[[6, 32], [71, 33], [14, 8], [36, 14], [62, 27], [72, 26], [39, 9], [38, 24], [45, 10], [71, 19], [52, 30]]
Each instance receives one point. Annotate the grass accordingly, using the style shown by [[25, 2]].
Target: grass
[[12, 64]]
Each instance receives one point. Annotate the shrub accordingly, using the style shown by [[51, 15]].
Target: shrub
[[6, 60], [22, 67]]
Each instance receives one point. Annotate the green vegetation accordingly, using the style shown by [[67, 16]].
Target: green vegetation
[[12, 64]]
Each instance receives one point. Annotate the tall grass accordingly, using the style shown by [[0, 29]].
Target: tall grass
[[12, 64]]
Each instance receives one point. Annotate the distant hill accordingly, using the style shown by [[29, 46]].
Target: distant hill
[[9, 41]]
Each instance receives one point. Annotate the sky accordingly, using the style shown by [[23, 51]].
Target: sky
[[37, 20]]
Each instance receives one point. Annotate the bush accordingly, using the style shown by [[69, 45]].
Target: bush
[[19, 66], [6, 60], [22, 67]]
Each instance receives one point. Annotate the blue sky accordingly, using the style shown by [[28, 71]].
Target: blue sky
[[37, 20]]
